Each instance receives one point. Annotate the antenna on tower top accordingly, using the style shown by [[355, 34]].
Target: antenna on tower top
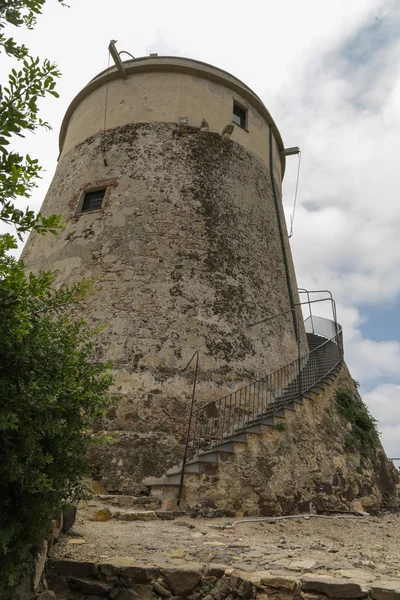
[[117, 59]]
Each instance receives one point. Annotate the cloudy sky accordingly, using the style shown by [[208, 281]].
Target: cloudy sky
[[329, 72]]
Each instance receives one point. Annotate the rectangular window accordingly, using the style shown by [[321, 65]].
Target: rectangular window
[[239, 115], [93, 200]]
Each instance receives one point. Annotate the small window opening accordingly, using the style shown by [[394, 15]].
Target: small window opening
[[239, 115], [93, 200]]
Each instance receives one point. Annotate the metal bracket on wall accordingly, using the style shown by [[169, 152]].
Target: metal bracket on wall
[[116, 58]]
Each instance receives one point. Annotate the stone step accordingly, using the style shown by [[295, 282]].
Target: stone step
[[128, 501], [254, 429], [134, 515]]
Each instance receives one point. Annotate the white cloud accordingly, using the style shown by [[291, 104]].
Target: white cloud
[[384, 401]]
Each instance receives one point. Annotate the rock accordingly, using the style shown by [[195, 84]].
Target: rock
[[47, 595], [74, 568], [301, 565], [184, 524], [356, 574], [90, 586], [95, 487], [332, 587], [60, 585], [104, 514], [69, 516], [255, 554], [161, 591], [242, 566], [182, 581], [74, 533], [139, 573], [135, 515], [109, 570], [40, 563], [23, 590], [286, 583], [216, 570], [165, 515], [386, 590], [77, 541], [193, 597], [222, 589], [241, 587], [127, 594]]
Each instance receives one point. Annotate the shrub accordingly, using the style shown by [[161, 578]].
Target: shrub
[[50, 393], [364, 434]]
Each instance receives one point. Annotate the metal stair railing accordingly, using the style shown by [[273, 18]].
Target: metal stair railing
[[222, 419]]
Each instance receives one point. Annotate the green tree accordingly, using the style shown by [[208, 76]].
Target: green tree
[[19, 113], [51, 391], [50, 387]]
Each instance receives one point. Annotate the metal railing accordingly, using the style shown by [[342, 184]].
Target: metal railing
[[222, 419]]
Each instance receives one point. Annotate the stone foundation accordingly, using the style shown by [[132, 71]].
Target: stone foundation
[[124, 580], [307, 462]]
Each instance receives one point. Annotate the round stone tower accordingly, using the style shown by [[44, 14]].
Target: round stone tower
[[169, 181]]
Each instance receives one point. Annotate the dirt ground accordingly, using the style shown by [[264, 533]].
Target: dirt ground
[[368, 544]]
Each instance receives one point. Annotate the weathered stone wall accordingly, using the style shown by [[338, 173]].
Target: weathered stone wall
[[187, 252], [126, 580], [308, 463]]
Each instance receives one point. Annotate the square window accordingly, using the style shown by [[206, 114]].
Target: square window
[[93, 200], [239, 115]]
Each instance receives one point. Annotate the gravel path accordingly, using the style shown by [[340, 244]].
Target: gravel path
[[370, 545]]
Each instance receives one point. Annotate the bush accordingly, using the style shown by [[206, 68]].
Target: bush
[[50, 393], [364, 434]]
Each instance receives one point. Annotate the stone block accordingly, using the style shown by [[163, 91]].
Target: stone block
[[73, 568], [182, 581], [242, 587], [47, 595], [386, 590], [90, 586], [279, 582], [138, 592], [333, 587], [139, 573], [40, 563], [165, 515], [161, 590], [301, 565], [136, 515], [216, 570]]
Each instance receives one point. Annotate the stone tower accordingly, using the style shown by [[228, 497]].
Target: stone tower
[[169, 181]]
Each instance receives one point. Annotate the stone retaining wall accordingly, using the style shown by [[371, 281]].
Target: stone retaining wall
[[125, 580]]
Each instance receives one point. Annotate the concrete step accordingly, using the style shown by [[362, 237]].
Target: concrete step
[[253, 429], [267, 421], [279, 413], [128, 501], [239, 438], [155, 482]]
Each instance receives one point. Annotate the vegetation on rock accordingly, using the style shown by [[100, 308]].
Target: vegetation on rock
[[364, 434]]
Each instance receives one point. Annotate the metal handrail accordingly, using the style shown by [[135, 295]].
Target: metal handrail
[[222, 419]]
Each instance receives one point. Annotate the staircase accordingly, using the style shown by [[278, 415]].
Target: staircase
[[220, 427]]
